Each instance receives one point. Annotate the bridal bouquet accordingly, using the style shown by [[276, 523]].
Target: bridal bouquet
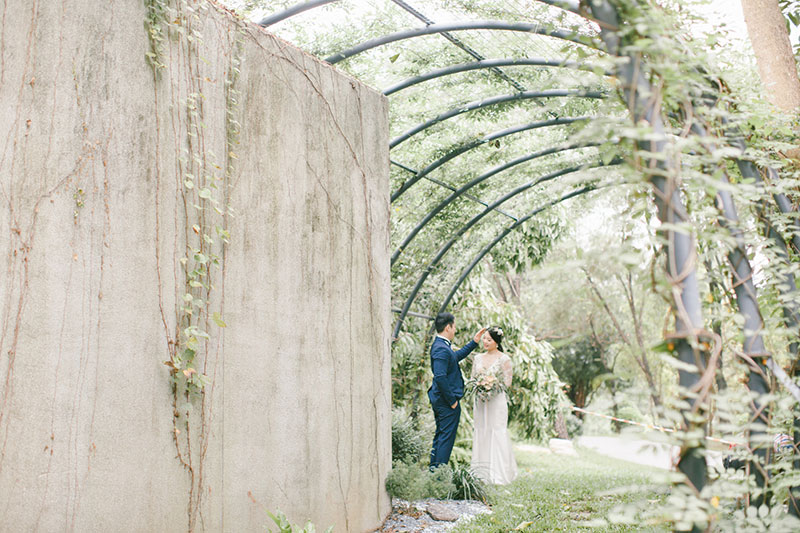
[[487, 385]]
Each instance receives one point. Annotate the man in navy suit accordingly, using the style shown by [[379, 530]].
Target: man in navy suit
[[448, 386]]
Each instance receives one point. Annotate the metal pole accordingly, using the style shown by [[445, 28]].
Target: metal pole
[[452, 189], [523, 27], [292, 11], [487, 63], [494, 100], [681, 253], [753, 345]]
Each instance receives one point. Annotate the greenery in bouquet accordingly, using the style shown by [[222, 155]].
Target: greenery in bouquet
[[486, 385]]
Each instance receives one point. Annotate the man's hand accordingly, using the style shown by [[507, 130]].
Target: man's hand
[[454, 405], [479, 335]]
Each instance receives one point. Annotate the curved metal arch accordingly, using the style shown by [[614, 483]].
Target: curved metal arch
[[449, 244], [502, 235], [484, 64], [494, 100], [478, 142], [454, 26], [483, 177], [292, 11], [567, 5]]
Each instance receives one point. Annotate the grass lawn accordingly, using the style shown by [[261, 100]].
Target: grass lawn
[[562, 493]]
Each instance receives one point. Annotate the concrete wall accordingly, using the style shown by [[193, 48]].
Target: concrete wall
[[95, 217]]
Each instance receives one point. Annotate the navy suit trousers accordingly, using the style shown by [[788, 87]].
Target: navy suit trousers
[[446, 428]]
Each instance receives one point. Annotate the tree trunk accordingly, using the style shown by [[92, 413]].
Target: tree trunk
[[773, 50]]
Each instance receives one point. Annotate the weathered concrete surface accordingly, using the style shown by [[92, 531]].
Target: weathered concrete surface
[[95, 218]]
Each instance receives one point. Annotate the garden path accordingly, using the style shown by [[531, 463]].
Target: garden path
[[639, 450]]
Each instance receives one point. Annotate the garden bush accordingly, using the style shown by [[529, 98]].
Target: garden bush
[[408, 443], [468, 486], [415, 482]]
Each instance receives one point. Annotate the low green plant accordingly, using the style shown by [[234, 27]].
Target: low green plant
[[406, 481], [439, 483], [408, 443], [284, 526], [467, 485], [414, 482], [574, 425]]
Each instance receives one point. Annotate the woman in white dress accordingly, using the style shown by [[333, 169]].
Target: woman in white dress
[[492, 456]]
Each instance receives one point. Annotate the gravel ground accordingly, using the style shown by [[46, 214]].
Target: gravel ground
[[417, 516]]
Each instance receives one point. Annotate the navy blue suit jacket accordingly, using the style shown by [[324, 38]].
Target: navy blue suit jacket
[[448, 383]]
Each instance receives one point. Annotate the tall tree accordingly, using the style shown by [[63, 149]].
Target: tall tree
[[766, 27]]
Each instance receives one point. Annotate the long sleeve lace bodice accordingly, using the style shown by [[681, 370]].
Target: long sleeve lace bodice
[[504, 361], [508, 373]]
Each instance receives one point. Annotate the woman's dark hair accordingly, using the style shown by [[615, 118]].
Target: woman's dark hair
[[497, 336], [443, 320]]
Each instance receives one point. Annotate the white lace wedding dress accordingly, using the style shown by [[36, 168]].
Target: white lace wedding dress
[[492, 456]]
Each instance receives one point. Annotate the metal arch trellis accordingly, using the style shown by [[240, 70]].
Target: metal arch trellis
[[503, 234], [451, 188], [474, 220], [489, 63], [483, 177], [642, 105], [486, 102], [444, 30], [454, 26], [479, 142], [482, 63], [569, 5]]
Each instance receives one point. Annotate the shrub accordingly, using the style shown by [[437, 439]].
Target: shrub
[[406, 481], [574, 425], [439, 483], [408, 444], [412, 482], [467, 485]]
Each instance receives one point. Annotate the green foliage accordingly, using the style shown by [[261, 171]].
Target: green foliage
[[156, 19], [580, 365], [408, 443], [406, 481], [791, 10], [467, 485], [205, 185], [439, 483], [527, 246], [284, 526], [574, 425], [412, 481]]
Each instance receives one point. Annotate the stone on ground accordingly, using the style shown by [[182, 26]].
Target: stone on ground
[[442, 513], [562, 447]]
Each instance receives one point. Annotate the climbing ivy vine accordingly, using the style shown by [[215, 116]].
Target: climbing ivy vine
[[202, 178]]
